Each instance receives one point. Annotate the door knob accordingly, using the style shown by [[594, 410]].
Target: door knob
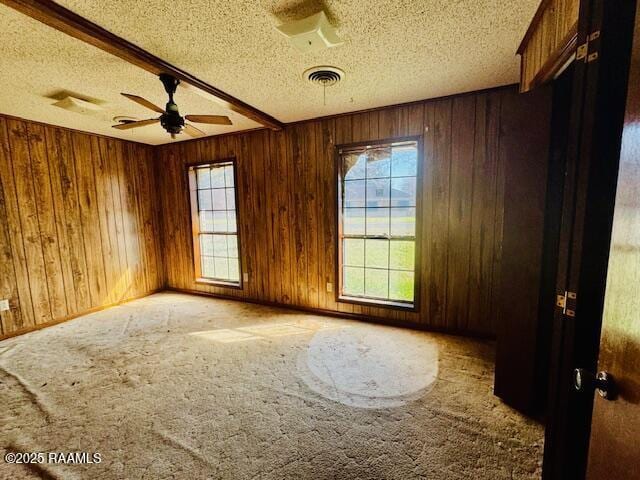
[[603, 383]]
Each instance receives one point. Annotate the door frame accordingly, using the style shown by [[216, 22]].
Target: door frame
[[597, 117]]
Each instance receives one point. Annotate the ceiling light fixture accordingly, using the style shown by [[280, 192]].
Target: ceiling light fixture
[[77, 105], [311, 34]]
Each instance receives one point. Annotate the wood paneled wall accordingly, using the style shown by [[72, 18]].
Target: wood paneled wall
[[79, 224], [287, 211], [549, 43]]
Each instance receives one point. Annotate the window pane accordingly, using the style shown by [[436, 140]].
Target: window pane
[[219, 245], [378, 192], [216, 205], [219, 199], [231, 198], [402, 255], [204, 199], [377, 221], [234, 269], [377, 253], [217, 177], [404, 161], [228, 176], [232, 245], [206, 221], [354, 193], [206, 245], [403, 221], [220, 221], [379, 197], [231, 221], [378, 162], [401, 285], [353, 283], [376, 283], [222, 267], [203, 178], [353, 219], [208, 267], [354, 165], [353, 252], [403, 192]]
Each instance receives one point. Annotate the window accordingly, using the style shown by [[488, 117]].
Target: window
[[377, 223], [215, 230]]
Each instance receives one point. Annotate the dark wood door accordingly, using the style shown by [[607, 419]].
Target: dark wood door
[[614, 451], [605, 31]]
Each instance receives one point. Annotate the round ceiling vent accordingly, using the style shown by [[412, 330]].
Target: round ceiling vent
[[323, 76]]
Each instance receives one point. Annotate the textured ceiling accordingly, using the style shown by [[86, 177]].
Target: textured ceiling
[[38, 61], [395, 51]]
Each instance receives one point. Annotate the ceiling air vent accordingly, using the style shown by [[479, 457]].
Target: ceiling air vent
[[323, 76]]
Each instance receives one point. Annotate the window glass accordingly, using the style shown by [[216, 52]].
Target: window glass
[[215, 225], [378, 198]]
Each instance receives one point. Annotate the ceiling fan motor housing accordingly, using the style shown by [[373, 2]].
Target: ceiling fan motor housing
[[171, 121]]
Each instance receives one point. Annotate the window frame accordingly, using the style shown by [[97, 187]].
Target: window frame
[[195, 223], [373, 302]]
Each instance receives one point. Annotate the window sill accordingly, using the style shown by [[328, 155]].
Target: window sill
[[219, 283], [369, 302]]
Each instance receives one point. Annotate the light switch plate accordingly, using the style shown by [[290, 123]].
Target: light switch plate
[[4, 305], [329, 287], [245, 277]]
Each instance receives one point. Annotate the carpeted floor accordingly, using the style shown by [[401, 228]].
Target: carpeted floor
[[185, 387]]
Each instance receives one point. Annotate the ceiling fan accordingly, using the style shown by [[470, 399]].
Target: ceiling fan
[[170, 118]]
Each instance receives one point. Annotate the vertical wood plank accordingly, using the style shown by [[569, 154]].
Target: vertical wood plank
[[89, 218], [484, 206], [106, 224], [11, 319], [461, 194], [29, 222], [53, 156], [110, 152], [439, 218], [73, 222], [23, 315], [47, 220], [427, 185]]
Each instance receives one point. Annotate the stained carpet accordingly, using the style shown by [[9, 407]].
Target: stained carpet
[[179, 386]]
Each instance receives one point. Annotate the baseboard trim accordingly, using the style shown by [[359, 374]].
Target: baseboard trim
[[33, 328], [333, 313]]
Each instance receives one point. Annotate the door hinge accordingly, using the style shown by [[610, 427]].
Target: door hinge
[[565, 301], [582, 51], [588, 51]]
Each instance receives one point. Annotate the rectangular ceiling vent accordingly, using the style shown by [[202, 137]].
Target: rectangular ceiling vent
[[78, 105], [311, 34]]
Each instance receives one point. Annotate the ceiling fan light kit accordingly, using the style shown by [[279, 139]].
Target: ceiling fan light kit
[[170, 117]]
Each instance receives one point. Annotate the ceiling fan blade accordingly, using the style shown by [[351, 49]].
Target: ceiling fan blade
[[211, 119], [192, 131], [143, 101], [140, 123]]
